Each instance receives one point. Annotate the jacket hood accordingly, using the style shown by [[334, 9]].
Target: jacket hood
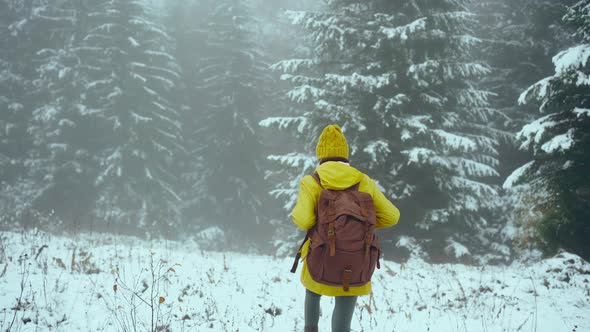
[[338, 176]]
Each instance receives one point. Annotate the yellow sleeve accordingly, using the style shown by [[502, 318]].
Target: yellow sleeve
[[304, 211], [387, 213]]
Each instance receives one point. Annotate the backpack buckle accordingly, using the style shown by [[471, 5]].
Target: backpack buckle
[[332, 239], [346, 277]]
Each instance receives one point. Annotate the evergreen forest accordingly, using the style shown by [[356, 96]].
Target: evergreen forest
[[197, 119]]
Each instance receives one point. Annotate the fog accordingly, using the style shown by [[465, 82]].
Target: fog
[[197, 119]]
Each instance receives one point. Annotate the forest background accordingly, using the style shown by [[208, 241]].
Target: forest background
[[197, 119]]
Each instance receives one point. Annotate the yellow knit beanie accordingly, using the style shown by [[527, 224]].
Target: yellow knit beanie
[[332, 143]]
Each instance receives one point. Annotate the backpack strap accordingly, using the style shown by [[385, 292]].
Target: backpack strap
[[354, 187], [331, 230], [298, 256], [368, 240], [317, 179]]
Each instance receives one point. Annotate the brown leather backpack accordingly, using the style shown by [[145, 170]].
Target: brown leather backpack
[[344, 249]]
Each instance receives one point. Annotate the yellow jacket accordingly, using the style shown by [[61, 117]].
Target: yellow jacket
[[337, 176]]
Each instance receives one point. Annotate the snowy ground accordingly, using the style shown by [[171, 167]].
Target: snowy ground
[[69, 285]]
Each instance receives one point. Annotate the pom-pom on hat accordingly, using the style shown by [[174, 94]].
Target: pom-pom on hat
[[332, 143]]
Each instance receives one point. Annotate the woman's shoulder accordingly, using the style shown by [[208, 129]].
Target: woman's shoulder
[[367, 184], [309, 183]]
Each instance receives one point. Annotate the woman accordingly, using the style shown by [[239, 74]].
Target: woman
[[335, 173]]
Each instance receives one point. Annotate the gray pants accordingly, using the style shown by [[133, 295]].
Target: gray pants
[[341, 317]]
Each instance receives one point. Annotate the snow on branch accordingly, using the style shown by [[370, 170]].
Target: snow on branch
[[473, 97], [437, 101], [579, 15], [174, 123], [17, 27], [432, 218], [13, 107], [459, 183], [160, 32], [422, 70], [413, 125], [140, 119], [160, 54], [58, 147], [83, 110], [330, 107], [295, 160], [566, 62], [461, 14], [96, 38], [538, 90], [366, 82], [104, 14], [418, 155], [457, 249], [40, 13], [165, 108], [98, 84], [45, 113], [293, 65], [402, 32], [90, 50], [296, 17], [377, 148], [561, 142], [455, 142], [289, 195], [472, 168], [417, 122], [161, 148], [463, 42], [464, 70], [139, 77], [149, 26], [304, 93], [573, 58], [106, 27], [113, 158], [397, 100], [167, 84], [164, 133], [167, 188], [436, 72], [138, 65], [117, 92], [515, 176], [534, 132], [580, 112], [456, 18], [285, 122], [67, 123], [299, 79], [133, 42]]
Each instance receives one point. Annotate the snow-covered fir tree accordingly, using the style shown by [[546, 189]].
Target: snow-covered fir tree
[[64, 165], [13, 116], [12, 87], [132, 85], [27, 28], [556, 183], [517, 37], [400, 79], [228, 82]]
